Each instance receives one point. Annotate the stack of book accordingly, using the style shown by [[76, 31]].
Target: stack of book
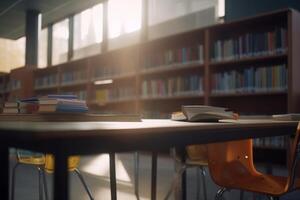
[[11, 108], [62, 104], [46, 104]]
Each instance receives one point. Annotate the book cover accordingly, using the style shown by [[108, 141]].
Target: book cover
[[202, 113]]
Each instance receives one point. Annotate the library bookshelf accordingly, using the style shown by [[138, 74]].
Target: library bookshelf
[[250, 65]]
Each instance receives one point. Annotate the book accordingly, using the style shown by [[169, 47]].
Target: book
[[11, 104], [70, 117], [58, 96], [287, 117], [202, 113], [11, 110], [63, 108], [53, 101], [28, 107]]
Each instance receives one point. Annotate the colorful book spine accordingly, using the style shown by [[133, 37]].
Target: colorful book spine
[[172, 87], [250, 80], [114, 94], [250, 45], [111, 71], [73, 76], [46, 81], [175, 56]]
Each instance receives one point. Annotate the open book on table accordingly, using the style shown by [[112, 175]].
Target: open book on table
[[202, 113]]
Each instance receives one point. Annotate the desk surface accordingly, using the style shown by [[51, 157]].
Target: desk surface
[[75, 137]]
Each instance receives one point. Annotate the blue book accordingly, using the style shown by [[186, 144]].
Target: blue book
[[59, 96]]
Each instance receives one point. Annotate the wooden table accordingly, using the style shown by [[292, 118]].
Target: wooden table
[[78, 138]]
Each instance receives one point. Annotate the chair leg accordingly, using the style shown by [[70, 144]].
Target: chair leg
[[13, 181], [45, 184], [203, 174], [136, 175], [219, 195], [197, 183], [273, 198], [41, 196], [174, 181], [84, 184], [241, 194]]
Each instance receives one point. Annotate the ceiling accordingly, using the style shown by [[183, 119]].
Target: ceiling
[[12, 13]]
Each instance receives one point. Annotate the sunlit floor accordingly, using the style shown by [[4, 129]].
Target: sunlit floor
[[95, 171]]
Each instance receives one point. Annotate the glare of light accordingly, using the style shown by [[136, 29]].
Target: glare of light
[[221, 8], [124, 16], [97, 21], [85, 18], [103, 82], [91, 20], [61, 30], [99, 166]]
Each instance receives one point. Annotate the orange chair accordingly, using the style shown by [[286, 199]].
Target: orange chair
[[196, 157], [231, 167]]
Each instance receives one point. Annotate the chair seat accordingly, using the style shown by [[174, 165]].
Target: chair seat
[[32, 160], [262, 183], [196, 162]]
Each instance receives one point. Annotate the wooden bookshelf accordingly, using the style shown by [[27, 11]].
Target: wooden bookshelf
[[177, 58], [179, 61]]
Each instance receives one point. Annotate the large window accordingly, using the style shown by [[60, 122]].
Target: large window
[[161, 11], [60, 42], [43, 47], [124, 16], [88, 30]]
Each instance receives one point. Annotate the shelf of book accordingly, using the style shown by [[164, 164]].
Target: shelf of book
[[114, 77], [182, 97], [74, 83], [250, 60], [243, 94], [191, 65], [46, 87]]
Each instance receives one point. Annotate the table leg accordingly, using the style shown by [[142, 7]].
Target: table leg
[[4, 172], [183, 177], [61, 189], [153, 175], [113, 180]]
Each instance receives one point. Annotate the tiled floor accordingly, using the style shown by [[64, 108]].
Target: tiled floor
[[95, 171]]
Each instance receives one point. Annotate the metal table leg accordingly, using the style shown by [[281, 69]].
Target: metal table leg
[[153, 175], [113, 180], [61, 189], [4, 172]]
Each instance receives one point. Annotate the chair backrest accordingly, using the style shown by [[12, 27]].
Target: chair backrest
[[73, 162], [197, 153], [230, 161], [295, 157]]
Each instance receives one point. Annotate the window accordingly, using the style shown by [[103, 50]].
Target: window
[[161, 11], [60, 42], [12, 54], [88, 31], [221, 8], [124, 17], [43, 48]]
